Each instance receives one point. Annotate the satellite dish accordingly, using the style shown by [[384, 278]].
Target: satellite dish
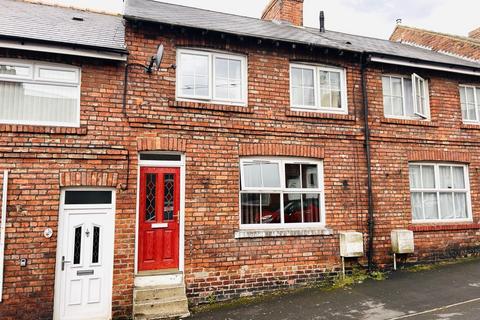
[[156, 59]]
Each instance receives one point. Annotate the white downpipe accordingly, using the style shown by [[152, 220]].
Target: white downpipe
[[2, 229]]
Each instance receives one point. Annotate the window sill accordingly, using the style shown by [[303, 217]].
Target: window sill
[[470, 126], [42, 129], [319, 115], [272, 233], [411, 122], [209, 106], [445, 227]]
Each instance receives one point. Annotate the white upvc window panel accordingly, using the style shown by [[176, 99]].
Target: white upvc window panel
[[57, 74], [211, 77], [303, 80], [420, 96], [440, 192], [229, 75], [194, 74], [470, 103], [279, 192], [12, 69], [34, 93], [405, 97], [318, 88]]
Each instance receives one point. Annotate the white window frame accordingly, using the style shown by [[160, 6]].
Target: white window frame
[[34, 78], [419, 114], [316, 86], [476, 101], [211, 97], [282, 161], [439, 190]]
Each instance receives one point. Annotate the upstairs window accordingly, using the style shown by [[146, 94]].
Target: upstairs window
[[212, 77], [470, 102], [39, 94], [281, 192], [318, 88], [439, 192], [405, 97]]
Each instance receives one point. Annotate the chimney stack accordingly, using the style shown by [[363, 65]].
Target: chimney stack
[[322, 21], [475, 34], [289, 11]]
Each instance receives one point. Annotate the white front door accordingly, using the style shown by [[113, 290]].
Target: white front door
[[84, 271]]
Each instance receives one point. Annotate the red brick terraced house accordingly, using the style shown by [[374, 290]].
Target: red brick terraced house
[[66, 217], [230, 168]]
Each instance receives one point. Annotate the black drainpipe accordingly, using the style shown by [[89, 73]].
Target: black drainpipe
[[365, 59]]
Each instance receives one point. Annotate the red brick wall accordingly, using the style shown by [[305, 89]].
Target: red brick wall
[[214, 138], [461, 46], [285, 10]]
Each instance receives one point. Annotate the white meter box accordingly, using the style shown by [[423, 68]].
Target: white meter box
[[351, 244], [402, 241]]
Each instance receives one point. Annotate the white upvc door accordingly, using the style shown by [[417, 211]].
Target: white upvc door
[[84, 268]]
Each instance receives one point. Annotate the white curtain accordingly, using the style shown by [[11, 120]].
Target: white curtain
[[38, 103], [428, 176]]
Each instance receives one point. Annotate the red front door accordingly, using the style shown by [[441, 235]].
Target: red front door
[[158, 220]]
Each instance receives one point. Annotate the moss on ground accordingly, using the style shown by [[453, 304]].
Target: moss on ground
[[337, 282], [436, 265], [356, 276], [213, 305]]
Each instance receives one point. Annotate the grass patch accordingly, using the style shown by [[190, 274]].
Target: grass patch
[[378, 275], [357, 276]]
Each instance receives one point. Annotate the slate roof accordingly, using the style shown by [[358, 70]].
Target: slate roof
[[153, 11], [23, 20]]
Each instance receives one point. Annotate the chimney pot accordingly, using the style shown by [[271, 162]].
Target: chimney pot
[[289, 11]]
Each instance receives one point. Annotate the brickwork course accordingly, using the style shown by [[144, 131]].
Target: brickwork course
[[103, 152]]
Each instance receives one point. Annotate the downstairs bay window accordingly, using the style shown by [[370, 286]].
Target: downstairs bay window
[[281, 192], [34, 93], [439, 192]]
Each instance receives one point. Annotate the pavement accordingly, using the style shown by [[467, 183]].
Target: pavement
[[448, 292]]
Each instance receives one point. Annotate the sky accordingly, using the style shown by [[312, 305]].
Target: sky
[[374, 18]]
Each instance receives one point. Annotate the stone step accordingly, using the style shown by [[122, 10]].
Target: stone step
[[161, 309], [150, 280], [145, 294]]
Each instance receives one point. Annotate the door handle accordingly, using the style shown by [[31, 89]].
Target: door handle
[[63, 262]]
